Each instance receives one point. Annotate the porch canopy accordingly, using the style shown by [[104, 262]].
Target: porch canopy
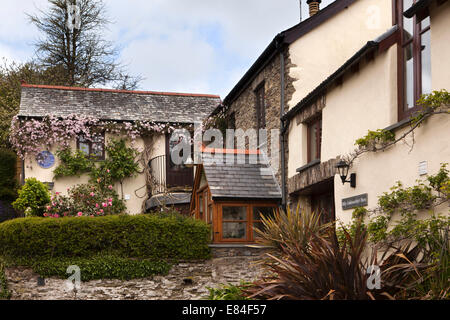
[[232, 189]]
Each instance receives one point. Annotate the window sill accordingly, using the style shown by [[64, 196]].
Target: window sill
[[398, 125], [238, 245], [307, 166]]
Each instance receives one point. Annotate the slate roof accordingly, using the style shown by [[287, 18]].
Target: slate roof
[[168, 199], [106, 104], [241, 181]]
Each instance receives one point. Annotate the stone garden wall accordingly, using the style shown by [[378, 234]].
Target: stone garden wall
[[185, 281]]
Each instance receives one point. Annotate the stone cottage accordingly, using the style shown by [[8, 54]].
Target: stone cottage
[[161, 181]]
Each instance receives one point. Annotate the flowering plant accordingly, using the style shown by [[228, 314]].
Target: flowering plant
[[28, 136], [85, 200]]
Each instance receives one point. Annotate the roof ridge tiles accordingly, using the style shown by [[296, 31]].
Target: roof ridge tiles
[[40, 86]]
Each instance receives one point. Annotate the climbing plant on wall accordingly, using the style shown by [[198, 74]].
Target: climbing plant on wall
[[28, 136], [437, 102]]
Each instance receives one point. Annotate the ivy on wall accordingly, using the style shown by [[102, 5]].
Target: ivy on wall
[[72, 163], [437, 102], [119, 165], [407, 202]]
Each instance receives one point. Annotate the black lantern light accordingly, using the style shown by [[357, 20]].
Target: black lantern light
[[343, 167]]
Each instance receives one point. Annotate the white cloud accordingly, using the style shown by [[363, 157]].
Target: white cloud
[[177, 45]]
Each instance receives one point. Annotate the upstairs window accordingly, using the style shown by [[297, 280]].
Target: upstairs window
[[94, 148], [260, 106], [314, 139], [414, 74]]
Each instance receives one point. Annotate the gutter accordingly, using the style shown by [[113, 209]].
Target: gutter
[[417, 7], [283, 130]]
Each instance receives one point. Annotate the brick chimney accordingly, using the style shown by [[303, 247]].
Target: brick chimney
[[313, 6]]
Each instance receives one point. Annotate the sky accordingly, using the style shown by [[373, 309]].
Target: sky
[[197, 46]]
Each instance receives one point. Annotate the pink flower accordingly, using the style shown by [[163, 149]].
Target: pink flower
[[97, 205], [110, 187], [104, 205], [57, 193], [92, 194], [48, 207], [101, 210], [107, 170], [46, 214], [56, 215], [80, 214]]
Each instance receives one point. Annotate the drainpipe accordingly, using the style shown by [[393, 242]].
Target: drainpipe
[[283, 129]]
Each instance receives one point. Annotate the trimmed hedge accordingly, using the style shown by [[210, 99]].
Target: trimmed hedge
[[101, 267], [140, 236]]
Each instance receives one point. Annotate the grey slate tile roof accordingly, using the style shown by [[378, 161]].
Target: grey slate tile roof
[[39, 101], [168, 199], [241, 180]]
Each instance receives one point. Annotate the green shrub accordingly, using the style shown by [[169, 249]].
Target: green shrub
[[290, 226], [101, 267], [8, 184], [33, 196], [141, 236], [228, 292]]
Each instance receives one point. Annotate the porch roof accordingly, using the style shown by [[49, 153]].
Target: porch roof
[[236, 180]]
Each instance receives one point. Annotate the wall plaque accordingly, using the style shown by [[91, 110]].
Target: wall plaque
[[354, 202], [45, 159]]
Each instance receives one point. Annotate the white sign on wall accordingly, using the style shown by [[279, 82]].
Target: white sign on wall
[[423, 168]]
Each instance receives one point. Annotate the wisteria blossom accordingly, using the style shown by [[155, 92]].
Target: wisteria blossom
[[29, 136]]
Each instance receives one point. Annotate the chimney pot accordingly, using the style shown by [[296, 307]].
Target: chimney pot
[[314, 6]]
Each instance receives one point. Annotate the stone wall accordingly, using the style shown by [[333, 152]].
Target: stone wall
[[244, 106], [185, 281]]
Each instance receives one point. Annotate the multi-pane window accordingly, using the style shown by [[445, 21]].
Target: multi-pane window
[[239, 220], [314, 137], [414, 59], [234, 222], [260, 107], [93, 148]]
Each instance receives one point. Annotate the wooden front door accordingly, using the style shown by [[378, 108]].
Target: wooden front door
[[324, 204], [177, 175]]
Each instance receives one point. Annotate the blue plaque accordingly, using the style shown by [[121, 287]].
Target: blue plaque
[[45, 159]]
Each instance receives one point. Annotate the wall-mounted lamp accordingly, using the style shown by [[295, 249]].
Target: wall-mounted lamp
[[343, 167]]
